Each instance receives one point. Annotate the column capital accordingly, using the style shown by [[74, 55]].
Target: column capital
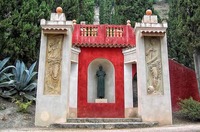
[[150, 26], [56, 25]]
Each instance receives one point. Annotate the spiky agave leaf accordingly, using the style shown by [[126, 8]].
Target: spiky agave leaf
[[2, 69], [24, 80], [9, 94], [5, 78], [30, 87], [23, 75], [7, 84], [3, 62]]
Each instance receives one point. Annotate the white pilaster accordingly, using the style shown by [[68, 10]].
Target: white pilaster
[[73, 92], [129, 60], [153, 107], [52, 108]]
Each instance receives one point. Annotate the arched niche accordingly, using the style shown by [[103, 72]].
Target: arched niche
[[109, 80]]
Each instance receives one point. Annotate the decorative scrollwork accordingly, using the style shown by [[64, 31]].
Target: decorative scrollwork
[[53, 65], [153, 65]]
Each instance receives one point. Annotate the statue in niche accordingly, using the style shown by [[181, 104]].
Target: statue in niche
[[154, 67], [53, 64], [100, 82]]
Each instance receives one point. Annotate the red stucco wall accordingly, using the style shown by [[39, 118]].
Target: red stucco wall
[[183, 83], [134, 69], [100, 110]]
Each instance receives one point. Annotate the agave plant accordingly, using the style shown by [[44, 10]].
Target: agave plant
[[24, 82], [5, 78]]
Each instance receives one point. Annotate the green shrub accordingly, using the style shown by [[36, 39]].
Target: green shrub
[[23, 106], [189, 109]]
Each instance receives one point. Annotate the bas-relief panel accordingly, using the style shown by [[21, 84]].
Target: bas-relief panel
[[52, 84], [153, 66]]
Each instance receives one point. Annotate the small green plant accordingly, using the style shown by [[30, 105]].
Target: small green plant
[[189, 109], [23, 106]]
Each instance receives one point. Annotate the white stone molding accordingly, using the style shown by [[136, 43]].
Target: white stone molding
[[151, 29], [101, 101], [150, 19], [74, 54], [55, 27], [130, 55], [58, 17]]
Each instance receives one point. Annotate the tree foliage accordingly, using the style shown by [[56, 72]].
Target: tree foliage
[[81, 10], [86, 11], [105, 11], [119, 11], [184, 30], [19, 28], [20, 24]]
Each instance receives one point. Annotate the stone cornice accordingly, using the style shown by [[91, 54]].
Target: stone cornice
[[56, 25]]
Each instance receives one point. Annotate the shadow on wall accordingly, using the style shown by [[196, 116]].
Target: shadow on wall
[[183, 83]]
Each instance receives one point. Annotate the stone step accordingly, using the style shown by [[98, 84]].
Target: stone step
[[102, 120], [108, 125]]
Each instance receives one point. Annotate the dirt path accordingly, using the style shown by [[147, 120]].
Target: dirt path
[[10, 118], [176, 128]]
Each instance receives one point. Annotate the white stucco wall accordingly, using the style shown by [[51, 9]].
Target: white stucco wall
[[129, 59], [128, 91], [73, 86]]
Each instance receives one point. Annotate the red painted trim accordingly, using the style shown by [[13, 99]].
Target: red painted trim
[[134, 69], [97, 110], [101, 39]]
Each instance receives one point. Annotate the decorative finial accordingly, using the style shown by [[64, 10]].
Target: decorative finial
[[128, 22], [148, 12], [74, 21], [59, 10]]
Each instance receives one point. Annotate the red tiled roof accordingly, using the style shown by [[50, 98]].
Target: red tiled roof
[[103, 36]]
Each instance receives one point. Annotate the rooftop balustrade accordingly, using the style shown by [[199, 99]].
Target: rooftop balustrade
[[103, 36]]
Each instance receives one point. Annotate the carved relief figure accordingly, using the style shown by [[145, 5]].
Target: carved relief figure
[[53, 65], [154, 67], [100, 83]]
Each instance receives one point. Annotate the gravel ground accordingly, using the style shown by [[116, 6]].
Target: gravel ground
[[176, 128], [10, 118]]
